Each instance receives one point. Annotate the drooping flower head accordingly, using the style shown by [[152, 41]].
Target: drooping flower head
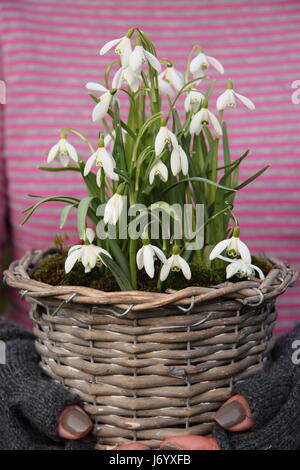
[[88, 254], [204, 117], [233, 246], [201, 62], [193, 100], [169, 78], [140, 56], [105, 100], [115, 205], [158, 169], [175, 263], [122, 47], [62, 151], [103, 159], [227, 99], [242, 269], [147, 255]]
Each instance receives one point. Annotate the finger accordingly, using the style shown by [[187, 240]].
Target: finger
[[235, 414], [189, 443], [73, 423], [133, 446]]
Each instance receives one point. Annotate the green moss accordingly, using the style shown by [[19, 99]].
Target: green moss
[[51, 271]]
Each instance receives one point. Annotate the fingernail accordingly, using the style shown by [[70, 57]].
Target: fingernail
[[231, 414], [168, 447], [75, 421]]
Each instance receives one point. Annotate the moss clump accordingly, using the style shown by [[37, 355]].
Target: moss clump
[[51, 270]]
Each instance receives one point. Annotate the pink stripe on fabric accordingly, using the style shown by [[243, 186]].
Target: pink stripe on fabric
[[158, 5], [177, 34]]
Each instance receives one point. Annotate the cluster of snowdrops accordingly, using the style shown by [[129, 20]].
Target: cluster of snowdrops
[[156, 156]]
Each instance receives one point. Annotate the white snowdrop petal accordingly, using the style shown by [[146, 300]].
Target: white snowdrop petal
[[71, 260], [165, 270], [186, 270], [148, 260], [93, 86], [140, 259], [159, 253], [246, 101], [196, 63], [136, 58], [101, 108], [90, 162], [244, 251], [154, 62], [175, 161], [219, 248], [216, 64], [160, 141], [215, 123], [109, 45], [223, 100], [72, 151], [53, 152], [183, 161]]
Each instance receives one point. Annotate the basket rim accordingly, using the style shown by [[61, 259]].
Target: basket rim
[[252, 292]]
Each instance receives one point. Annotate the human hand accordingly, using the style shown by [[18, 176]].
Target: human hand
[[35, 412], [263, 414]]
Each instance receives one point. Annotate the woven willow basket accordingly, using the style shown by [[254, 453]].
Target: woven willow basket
[[151, 365]]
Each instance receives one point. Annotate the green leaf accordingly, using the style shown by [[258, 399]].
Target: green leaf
[[117, 272], [226, 150], [69, 168], [65, 214], [198, 178], [82, 211], [119, 256], [252, 178], [32, 209]]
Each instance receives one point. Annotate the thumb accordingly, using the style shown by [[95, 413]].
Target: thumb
[[235, 414], [73, 423]]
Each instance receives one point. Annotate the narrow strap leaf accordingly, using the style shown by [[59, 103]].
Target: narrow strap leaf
[[117, 272]]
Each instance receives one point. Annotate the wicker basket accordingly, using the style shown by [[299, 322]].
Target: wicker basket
[[151, 365]]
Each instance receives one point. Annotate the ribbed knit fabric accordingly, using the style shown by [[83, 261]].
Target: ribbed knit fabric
[[274, 399], [29, 402], [50, 49]]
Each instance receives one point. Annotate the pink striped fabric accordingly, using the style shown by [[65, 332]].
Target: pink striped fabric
[[49, 49]]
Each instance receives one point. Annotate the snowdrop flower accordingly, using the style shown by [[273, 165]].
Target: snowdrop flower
[[179, 161], [104, 159], [241, 269], [88, 254], [173, 77], [115, 206], [139, 56], [146, 256], [164, 136], [122, 47], [165, 88], [204, 117], [201, 62], [125, 74], [193, 101], [62, 151], [101, 108], [234, 247], [158, 169], [175, 263], [227, 99]]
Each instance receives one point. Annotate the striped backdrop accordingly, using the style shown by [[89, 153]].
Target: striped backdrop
[[49, 49]]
